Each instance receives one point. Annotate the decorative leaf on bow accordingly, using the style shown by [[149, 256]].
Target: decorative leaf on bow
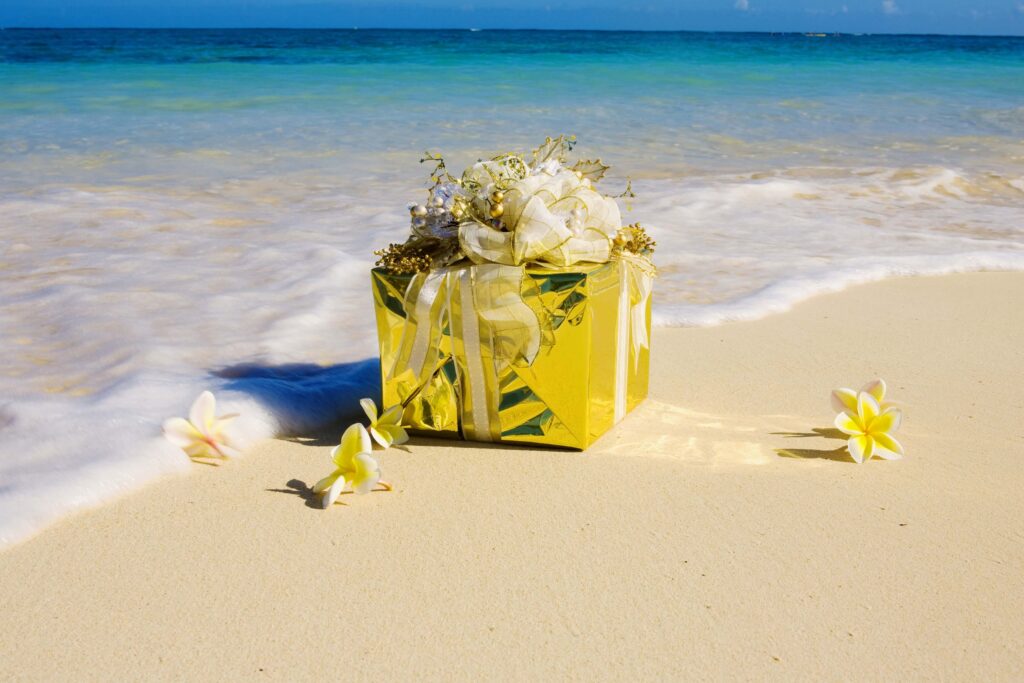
[[592, 170], [553, 148]]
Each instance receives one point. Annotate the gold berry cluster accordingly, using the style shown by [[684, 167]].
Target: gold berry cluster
[[634, 238], [404, 259]]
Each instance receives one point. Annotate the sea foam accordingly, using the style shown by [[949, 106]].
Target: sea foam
[[261, 293]]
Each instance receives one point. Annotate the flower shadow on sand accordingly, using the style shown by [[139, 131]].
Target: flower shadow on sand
[[839, 454], [297, 487]]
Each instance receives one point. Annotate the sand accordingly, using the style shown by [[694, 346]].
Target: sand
[[686, 543]]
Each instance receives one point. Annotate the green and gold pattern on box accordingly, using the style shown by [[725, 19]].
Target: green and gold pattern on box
[[519, 308]]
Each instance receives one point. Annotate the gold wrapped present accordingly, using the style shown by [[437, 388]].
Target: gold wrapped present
[[521, 354], [518, 310]]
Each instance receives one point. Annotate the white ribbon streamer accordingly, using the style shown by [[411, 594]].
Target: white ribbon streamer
[[474, 362], [638, 313], [622, 344], [424, 323]]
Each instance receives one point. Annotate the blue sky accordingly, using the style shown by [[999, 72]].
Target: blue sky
[[1004, 17]]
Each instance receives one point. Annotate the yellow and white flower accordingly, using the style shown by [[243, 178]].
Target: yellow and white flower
[[386, 429], [203, 434], [870, 429], [354, 464], [845, 400]]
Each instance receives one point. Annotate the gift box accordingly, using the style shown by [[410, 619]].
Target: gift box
[[518, 309], [531, 354]]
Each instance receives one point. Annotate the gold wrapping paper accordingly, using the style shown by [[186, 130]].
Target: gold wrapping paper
[[455, 348]]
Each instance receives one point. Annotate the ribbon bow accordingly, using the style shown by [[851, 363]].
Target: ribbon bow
[[538, 207]]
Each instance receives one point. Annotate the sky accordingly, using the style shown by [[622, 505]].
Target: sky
[[1000, 17]]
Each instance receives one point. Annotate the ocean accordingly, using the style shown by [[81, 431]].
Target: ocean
[[190, 209]]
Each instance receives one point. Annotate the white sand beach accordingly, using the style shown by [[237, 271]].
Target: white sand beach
[[714, 534]]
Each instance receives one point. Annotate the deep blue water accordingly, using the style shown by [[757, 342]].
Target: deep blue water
[[350, 46]]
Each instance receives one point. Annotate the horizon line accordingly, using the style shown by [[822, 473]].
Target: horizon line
[[505, 29]]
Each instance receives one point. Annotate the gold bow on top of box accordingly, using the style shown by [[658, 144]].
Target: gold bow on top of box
[[519, 308]]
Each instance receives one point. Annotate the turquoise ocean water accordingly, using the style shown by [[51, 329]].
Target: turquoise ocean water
[[677, 102], [176, 202]]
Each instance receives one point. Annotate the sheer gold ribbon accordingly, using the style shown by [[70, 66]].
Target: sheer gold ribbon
[[493, 315], [489, 289]]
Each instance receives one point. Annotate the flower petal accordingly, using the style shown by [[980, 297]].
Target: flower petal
[[392, 416], [889, 421], [326, 482], [848, 424], [844, 400], [876, 388], [887, 447], [370, 408], [224, 447], [381, 437], [861, 448], [354, 440], [333, 492], [397, 434], [366, 475], [365, 445], [200, 449], [180, 432], [867, 408], [203, 412]]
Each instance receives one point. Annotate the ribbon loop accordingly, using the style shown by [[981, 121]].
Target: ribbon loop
[[543, 208]]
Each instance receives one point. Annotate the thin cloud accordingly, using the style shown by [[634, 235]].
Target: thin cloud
[[742, 5], [890, 7]]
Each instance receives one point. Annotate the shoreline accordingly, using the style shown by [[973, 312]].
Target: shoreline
[[713, 532], [112, 478], [782, 296]]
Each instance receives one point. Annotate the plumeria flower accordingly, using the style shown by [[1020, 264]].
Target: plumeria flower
[[845, 400], [355, 466], [387, 430], [202, 435], [870, 429]]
